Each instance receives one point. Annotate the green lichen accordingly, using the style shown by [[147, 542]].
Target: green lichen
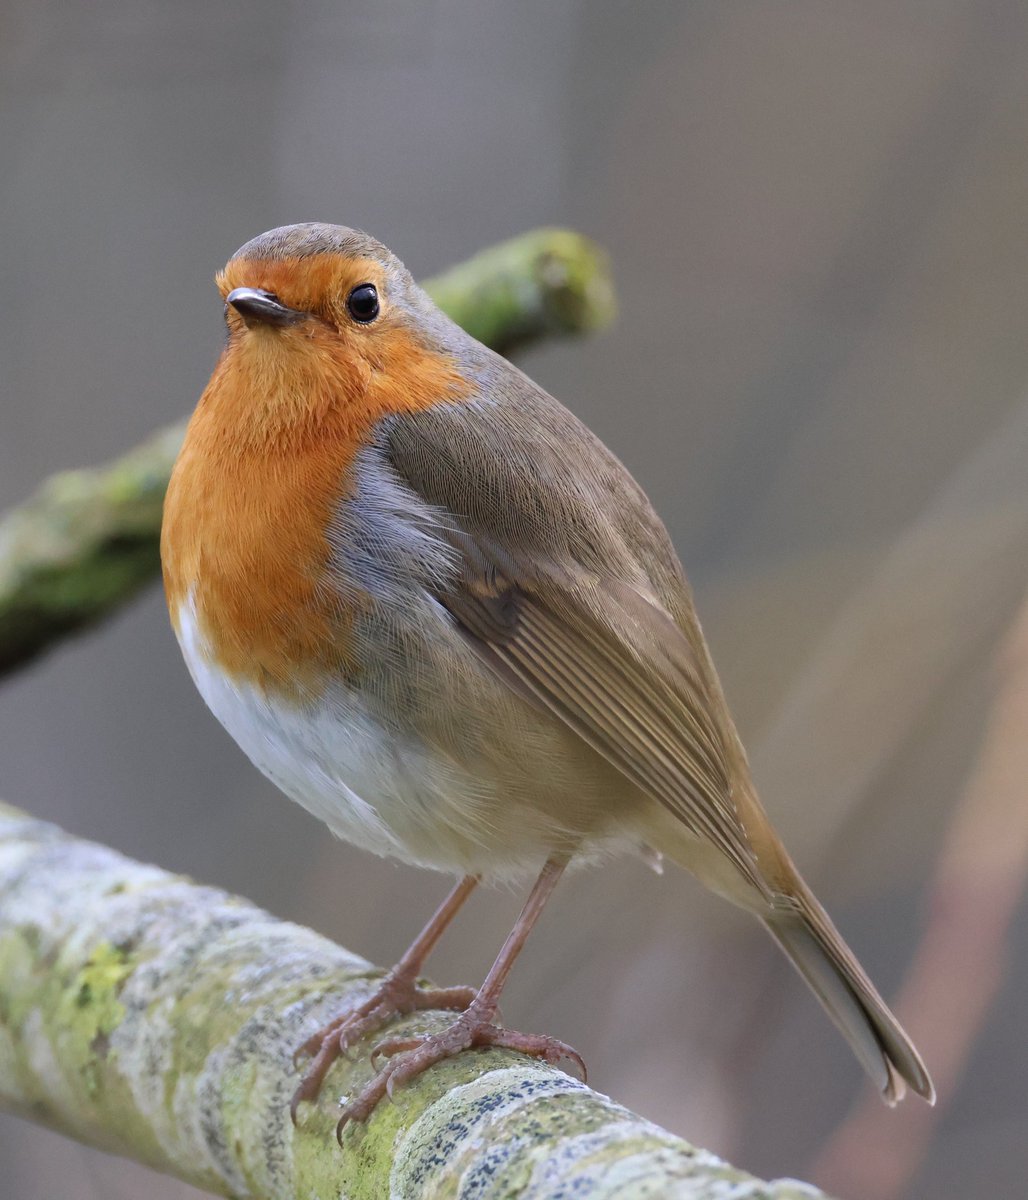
[[88, 1010]]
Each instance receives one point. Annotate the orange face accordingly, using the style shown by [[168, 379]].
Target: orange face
[[317, 284], [266, 463], [327, 362]]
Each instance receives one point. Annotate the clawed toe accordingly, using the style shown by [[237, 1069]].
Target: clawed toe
[[360, 1109], [550, 1049], [397, 995], [409, 1057], [392, 1046]]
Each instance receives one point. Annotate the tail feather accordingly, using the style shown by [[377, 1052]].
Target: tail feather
[[806, 934]]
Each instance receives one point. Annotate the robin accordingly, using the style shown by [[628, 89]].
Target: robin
[[435, 610]]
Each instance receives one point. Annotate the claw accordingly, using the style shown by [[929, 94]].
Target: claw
[[396, 995], [393, 1046], [409, 1057], [342, 1123], [299, 1054]]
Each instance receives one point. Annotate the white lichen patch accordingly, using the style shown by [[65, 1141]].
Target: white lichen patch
[[528, 1131], [45, 1067], [464, 1122]]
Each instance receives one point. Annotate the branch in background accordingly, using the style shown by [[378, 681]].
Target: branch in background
[[88, 540], [549, 283], [82, 546], [156, 1019]]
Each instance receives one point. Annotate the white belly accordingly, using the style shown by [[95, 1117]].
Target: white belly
[[317, 755], [385, 793], [393, 795]]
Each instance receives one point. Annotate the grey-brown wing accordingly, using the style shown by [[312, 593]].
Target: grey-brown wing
[[556, 612], [598, 666]]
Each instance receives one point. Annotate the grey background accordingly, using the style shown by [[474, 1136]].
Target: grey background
[[816, 214]]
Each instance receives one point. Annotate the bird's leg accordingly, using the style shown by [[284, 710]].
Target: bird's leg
[[475, 1026], [396, 994]]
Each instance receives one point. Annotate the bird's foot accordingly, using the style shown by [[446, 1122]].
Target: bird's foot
[[397, 995], [408, 1057]]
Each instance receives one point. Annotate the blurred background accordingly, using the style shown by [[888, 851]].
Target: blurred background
[[816, 213]]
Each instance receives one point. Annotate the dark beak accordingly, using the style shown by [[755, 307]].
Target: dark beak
[[262, 308]]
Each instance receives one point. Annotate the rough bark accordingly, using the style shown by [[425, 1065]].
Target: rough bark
[[87, 541], [156, 1018]]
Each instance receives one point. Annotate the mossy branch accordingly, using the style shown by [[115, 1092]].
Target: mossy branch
[[155, 1018], [88, 540]]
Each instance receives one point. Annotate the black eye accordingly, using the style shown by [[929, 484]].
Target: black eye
[[363, 303]]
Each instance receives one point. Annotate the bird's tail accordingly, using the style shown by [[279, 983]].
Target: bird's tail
[[805, 932]]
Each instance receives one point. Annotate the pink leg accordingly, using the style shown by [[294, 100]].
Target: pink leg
[[474, 1026], [397, 994]]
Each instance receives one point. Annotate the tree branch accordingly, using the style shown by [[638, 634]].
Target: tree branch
[[155, 1018], [88, 540]]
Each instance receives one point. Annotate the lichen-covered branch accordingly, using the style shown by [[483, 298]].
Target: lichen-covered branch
[[84, 544], [156, 1018], [87, 541]]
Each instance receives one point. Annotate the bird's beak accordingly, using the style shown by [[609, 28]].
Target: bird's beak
[[262, 308]]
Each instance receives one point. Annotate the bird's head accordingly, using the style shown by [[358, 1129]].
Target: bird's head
[[324, 319]]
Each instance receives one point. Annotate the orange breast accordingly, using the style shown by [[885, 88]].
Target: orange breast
[[264, 466]]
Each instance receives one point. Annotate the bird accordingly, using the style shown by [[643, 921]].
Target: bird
[[433, 608]]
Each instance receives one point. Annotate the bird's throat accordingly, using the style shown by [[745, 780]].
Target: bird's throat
[[263, 469]]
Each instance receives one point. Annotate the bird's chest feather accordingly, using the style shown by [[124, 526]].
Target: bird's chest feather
[[246, 544], [269, 460], [307, 626]]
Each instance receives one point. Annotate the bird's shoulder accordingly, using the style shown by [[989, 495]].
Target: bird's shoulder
[[517, 468]]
